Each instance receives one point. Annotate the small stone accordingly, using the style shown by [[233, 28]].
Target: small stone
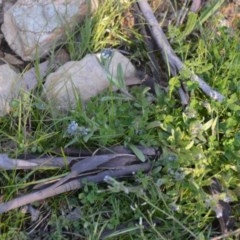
[[9, 87]]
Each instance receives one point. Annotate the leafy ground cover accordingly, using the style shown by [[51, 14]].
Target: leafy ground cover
[[192, 190]]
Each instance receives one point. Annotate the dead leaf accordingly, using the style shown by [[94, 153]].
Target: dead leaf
[[72, 185], [12, 60], [7, 163]]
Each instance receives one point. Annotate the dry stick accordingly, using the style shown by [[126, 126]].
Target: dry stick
[[169, 55], [229, 234], [72, 185], [88, 164], [115, 163], [7, 163], [155, 68], [184, 96], [156, 71]]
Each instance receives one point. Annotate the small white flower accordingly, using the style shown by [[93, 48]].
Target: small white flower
[[172, 158], [106, 53], [135, 207], [72, 128], [84, 131], [174, 207], [218, 211], [179, 175], [227, 199], [106, 178], [131, 206], [126, 190]]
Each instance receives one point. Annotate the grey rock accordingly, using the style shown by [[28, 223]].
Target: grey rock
[[32, 27], [80, 80], [9, 87]]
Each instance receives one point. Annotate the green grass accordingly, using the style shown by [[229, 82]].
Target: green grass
[[198, 143]]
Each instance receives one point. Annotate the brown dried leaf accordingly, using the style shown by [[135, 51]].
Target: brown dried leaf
[[12, 60]]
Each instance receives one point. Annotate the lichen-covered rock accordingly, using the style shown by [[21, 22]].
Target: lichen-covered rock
[[32, 27], [9, 87], [81, 80]]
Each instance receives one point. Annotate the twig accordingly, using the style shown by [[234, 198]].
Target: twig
[[171, 59], [184, 96], [222, 209], [225, 235], [72, 185], [156, 70], [7, 163], [71, 151], [88, 164]]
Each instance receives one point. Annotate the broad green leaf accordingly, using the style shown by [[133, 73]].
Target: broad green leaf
[[208, 124], [214, 126], [137, 152], [189, 146], [154, 124]]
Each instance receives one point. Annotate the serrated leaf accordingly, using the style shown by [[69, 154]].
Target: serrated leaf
[[191, 23]]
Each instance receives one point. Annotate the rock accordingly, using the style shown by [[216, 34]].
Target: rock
[[30, 78], [32, 28], [83, 79], [4, 6], [9, 87], [12, 60]]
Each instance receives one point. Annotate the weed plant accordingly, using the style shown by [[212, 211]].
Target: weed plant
[[197, 143]]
